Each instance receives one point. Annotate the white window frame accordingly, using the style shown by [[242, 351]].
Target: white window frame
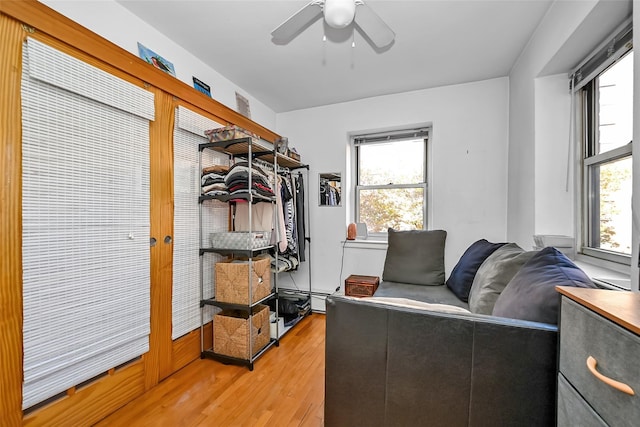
[[589, 200], [583, 80], [385, 137]]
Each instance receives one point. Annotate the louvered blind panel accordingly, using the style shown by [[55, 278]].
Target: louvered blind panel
[[66, 72], [188, 134], [85, 207]]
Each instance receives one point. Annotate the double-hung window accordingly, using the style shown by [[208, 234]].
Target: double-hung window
[[391, 180], [604, 89]]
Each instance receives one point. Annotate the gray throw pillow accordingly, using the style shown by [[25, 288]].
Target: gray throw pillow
[[493, 276], [415, 256]]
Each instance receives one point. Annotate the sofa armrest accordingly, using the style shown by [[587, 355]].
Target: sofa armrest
[[515, 372], [355, 363], [390, 365]]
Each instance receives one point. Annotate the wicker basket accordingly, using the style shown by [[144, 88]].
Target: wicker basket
[[232, 280], [231, 332]]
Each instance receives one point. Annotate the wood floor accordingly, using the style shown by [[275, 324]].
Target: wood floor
[[286, 388]]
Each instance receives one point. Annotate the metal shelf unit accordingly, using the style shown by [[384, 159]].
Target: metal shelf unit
[[247, 149]]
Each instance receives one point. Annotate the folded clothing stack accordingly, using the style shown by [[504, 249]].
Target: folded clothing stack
[[237, 180], [286, 262], [212, 180]]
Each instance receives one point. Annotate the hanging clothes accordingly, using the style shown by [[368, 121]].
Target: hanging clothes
[[299, 186], [329, 193], [289, 213], [261, 217], [282, 237]]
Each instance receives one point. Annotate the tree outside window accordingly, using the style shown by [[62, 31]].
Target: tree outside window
[[391, 190], [608, 159]]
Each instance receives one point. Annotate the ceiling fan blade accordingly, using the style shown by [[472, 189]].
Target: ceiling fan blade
[[373, 27], [297, 23]]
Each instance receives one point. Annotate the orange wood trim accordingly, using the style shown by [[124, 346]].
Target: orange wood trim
[[89, 403], [92, 403], [158, 361], [621, 307], [187, 348], [47, 20], [11, 35]]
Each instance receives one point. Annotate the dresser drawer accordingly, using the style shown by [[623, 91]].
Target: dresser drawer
[[573, 410], [584, 333]]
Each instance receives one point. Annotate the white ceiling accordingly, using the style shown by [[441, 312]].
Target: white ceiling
[[437, 43]]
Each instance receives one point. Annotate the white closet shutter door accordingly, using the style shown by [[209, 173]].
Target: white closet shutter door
[[85, 203], [188, 134]]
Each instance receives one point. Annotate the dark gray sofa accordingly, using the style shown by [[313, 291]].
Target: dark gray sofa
[[398, 362], [401, 366]]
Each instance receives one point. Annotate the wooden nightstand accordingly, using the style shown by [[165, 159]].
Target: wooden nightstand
[[598, 372]]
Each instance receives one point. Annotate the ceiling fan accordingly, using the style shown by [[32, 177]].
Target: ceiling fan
[[337, 14]]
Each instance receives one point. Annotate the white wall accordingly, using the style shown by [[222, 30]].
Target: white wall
[[539, 115], [553, 169], [468, 167], [115, 23], [560, 22]]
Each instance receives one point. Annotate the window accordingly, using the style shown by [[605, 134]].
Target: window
[[606, 102], [391, 184]]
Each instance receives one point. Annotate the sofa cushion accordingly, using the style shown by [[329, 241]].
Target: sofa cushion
[[415, 256], [431, 294], [462, 275], [531, 294], [421, 305], [493, 276]]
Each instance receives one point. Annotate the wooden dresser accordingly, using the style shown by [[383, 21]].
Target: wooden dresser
[[599, 362]]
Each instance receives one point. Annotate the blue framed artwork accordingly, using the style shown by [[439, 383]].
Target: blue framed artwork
[[202, 86], [156, 60]]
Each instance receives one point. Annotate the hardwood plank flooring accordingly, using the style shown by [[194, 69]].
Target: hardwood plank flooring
[[285, 388]]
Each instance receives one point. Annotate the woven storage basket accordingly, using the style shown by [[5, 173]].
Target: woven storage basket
[[231, 332], [232, 280]]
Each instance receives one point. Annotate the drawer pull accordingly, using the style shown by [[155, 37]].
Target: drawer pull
[[591, 364]]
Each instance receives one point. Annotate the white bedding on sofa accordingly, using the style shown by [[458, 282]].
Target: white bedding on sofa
[[405, 302]]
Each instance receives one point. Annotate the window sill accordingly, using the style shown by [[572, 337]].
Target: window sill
[[366, 244], [605, 274]]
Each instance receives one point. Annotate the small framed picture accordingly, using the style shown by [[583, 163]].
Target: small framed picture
[[243, 105], [202, 86], [156, 60]]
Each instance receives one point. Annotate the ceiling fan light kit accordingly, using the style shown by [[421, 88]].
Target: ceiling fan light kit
[[338, 14]]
